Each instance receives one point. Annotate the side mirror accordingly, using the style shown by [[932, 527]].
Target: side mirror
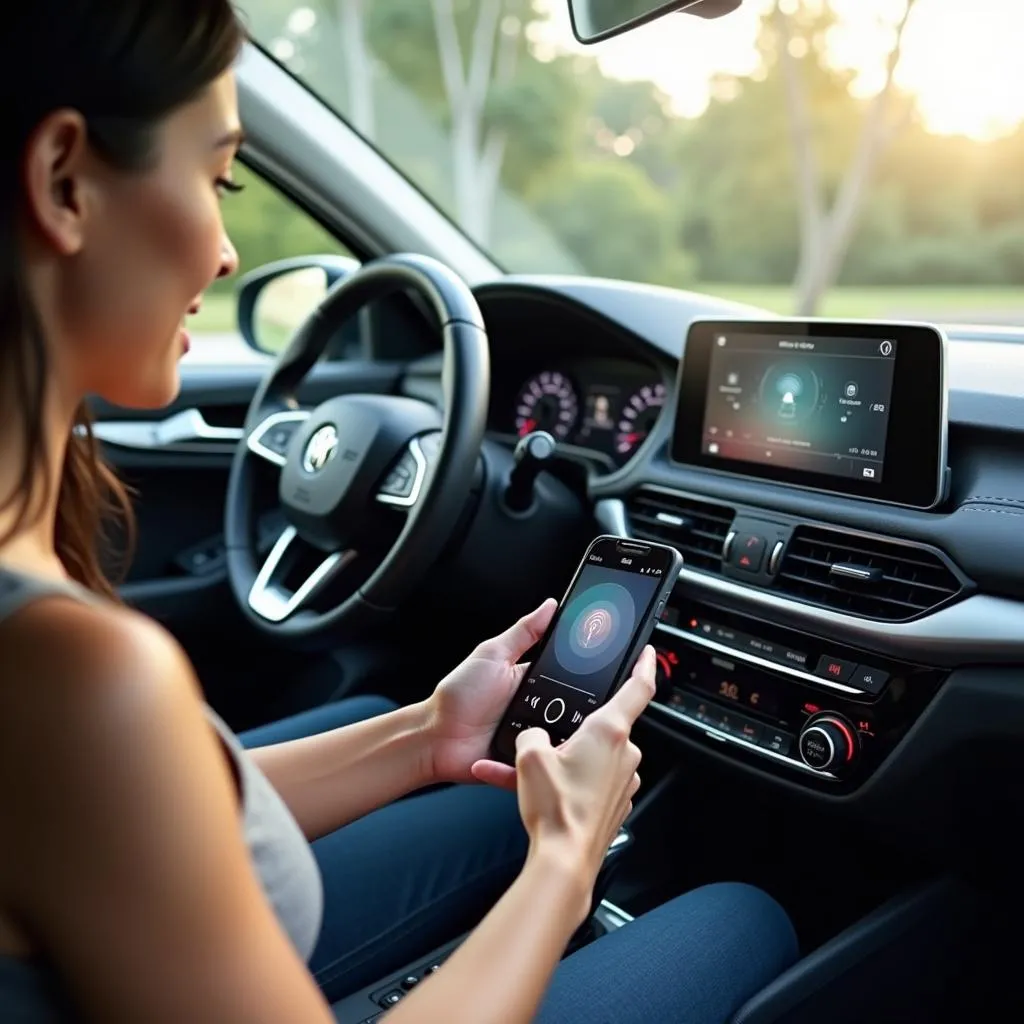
[[595, 20], [273, 300]]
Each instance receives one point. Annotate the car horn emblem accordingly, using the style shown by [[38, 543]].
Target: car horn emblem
[[321, 448]]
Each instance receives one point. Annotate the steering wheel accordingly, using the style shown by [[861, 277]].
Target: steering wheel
[[348, 467]]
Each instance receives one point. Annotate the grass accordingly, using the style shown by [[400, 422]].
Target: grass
[[935, 302]]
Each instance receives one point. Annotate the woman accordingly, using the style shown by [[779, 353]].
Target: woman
[[127, 889]]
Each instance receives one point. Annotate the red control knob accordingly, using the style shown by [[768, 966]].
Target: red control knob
[[828, 743]]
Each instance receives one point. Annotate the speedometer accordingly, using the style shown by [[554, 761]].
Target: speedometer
[[547, 402], [638, 417]]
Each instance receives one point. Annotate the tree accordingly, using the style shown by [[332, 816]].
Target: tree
[[359, 61], [826, 230], [612, 218]]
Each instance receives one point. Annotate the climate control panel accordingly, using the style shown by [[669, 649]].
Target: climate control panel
[[787, 701]]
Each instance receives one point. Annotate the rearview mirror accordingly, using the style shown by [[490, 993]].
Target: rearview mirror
[[594, 20]]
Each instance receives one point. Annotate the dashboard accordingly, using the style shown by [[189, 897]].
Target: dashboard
[[845, 636], [601, 410]]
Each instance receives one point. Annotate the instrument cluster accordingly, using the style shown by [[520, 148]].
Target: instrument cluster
[[604, 409]]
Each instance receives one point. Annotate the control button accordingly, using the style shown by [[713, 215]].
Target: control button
[[684, 702], [762, 648], [554, 711], [834, 668], [779, 742], [789, 656], [409, 981], [729, 722], [750, 731], [828, 743], [659, 609], [392, 998], [708, 714], [775, 558], [747, 552], [872, 680]]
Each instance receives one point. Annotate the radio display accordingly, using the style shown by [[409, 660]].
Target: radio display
[[854, 408]]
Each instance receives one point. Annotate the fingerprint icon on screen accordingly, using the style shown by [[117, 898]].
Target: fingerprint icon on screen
[[594, 627]]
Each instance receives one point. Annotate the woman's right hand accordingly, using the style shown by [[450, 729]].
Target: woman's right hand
[[574, 798]]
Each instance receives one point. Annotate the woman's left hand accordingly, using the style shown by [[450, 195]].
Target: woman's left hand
[[468, 703]]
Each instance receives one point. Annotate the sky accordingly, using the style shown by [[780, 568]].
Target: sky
[[966, 72]]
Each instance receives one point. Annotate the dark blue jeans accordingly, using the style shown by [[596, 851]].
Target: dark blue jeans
[[415, 874]]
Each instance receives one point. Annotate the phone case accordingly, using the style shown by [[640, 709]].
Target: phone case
[[641, 639]]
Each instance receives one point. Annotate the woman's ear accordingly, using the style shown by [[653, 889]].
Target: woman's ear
[[54, 168]]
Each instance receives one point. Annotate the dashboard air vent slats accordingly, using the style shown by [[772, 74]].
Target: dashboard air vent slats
[[868, 576], [697, 529]]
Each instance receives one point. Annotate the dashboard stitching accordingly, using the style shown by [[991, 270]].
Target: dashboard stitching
[[996, 511], [979, 498]]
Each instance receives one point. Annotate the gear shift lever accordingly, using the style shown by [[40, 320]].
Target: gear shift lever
[[531, 455]]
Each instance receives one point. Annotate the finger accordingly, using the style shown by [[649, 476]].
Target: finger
[[494, 773], [522, 635], [636, 693], [533, 740], [634, 785]]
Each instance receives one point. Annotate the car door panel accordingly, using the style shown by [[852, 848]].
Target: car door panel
[[178, 485]]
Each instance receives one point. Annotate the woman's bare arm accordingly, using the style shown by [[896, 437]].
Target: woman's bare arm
[[499, 974], [338, 776], [123, 855]]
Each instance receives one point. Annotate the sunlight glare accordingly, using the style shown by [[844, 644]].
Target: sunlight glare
[[964, 68]]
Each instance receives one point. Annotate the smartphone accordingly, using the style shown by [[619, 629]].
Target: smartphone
[[605, 619]]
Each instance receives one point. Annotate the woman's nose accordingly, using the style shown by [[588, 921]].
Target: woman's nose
[[228, 258]]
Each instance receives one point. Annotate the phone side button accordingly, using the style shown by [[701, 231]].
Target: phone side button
[[659, 609]]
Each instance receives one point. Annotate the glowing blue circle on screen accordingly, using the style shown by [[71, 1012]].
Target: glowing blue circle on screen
[[790, 384], [595, 628]]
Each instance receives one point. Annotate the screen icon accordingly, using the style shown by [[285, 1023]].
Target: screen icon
[[720, 341], [851, 390], [885, 348], [713, 448], [869, 473]]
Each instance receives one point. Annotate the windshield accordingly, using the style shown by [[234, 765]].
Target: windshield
[[830, 157]]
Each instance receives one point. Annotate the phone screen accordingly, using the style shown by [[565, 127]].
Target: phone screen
[[582, 660]]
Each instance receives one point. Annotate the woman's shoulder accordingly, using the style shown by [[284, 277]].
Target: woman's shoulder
[[88, 686], [77, 652]]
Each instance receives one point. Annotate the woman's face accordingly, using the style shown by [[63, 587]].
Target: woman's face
[[146, 246]]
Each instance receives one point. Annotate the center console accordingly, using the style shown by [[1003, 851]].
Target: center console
[[781, 699], [852, 409]]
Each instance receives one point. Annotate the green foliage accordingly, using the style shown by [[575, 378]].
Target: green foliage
[[600, 174], [612, 219]]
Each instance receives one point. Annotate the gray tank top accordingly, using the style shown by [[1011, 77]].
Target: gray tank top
[[31, 993]]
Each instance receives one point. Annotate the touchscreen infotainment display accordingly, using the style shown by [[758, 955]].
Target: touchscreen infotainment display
[[815, 404], [842, 406]]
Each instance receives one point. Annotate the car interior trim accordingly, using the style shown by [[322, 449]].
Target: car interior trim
[[977, 628], [738, 741], [254, 441], [410, 499], [752, 659], [273, 602], [185, 431]]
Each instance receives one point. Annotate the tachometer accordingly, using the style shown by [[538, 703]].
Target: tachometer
[[638, 417], [547, 402]]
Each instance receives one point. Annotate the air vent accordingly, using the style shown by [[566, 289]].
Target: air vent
[[867, 576], [697, 529]]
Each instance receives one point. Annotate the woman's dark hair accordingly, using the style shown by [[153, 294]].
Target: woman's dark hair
[[125, 65]]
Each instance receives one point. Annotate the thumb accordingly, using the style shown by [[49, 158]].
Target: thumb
[[494, 773], [522, 635]]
